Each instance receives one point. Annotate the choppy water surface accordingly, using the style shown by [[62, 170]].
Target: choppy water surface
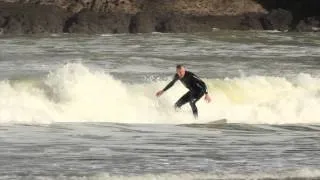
[[84, 107]]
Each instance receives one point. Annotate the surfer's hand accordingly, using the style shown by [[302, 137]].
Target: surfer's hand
[[207, 98], [159, 93]]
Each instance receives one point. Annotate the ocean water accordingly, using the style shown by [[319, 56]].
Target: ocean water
[[84, 106]]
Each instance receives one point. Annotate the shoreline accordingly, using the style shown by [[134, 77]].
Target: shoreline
[[209, 33]]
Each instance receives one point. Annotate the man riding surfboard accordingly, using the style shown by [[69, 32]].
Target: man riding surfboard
[[197, 88]]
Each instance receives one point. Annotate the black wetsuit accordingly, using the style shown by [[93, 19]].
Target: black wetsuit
[[197, 88]]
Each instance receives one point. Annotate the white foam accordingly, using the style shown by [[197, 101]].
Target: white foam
[[302, 174], [270, 100], [73, 93], [292, 174]]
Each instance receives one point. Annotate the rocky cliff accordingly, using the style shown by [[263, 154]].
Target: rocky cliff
[[135, 16]]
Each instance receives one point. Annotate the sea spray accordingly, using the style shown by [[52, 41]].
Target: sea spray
[[75, 93]]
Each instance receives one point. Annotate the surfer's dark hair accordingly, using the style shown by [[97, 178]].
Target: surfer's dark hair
[[179, 66]]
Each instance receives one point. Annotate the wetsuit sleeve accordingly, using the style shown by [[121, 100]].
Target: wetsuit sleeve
[[175, 78], [204, 87]]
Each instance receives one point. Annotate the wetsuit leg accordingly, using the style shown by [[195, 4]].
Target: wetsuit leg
[[183, 100], [195, 96]]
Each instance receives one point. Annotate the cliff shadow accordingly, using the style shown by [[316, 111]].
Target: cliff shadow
[[300, 9]]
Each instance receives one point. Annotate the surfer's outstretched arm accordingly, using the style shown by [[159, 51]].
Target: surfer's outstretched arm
[[202, 86], [205, 89], [174, 80]]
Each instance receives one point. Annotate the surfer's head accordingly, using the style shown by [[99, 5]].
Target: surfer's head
[[181, 70]]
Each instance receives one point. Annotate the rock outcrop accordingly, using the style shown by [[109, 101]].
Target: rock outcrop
[[309, 24], [277, 19], [31, 18], [91, 22], [139, 16]]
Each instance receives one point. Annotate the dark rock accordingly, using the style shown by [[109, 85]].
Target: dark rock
[[176, 22], [31, 18], [208, 23], [309, 24], [139, 16], [277, 19], [251, 21], [142, 23], [3, 21], [299, 8], [93, 22], [133, 26]]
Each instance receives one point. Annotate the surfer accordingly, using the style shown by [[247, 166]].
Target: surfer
[[197, 88]]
